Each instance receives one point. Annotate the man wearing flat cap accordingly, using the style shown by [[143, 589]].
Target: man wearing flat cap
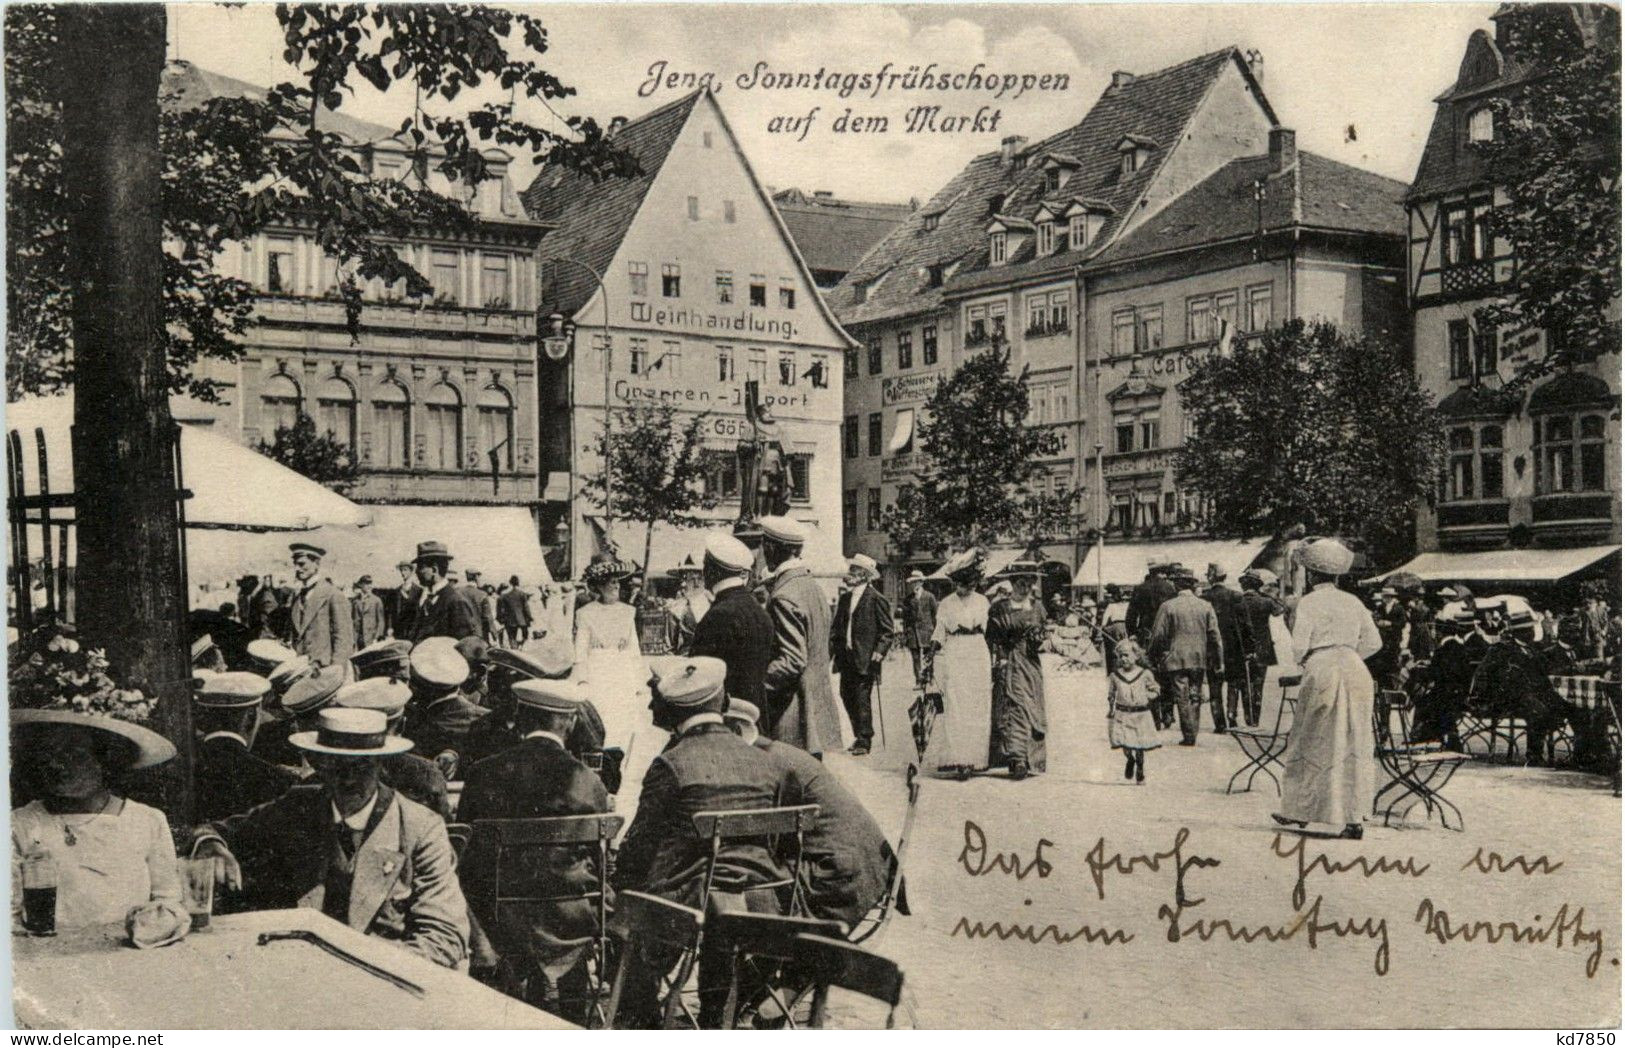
[[229, 777], [545, 943], [319, 618], [444, 609], [440, 716], [798, 703], [705, 768], [352, 847], [860, 636], [367, 608], [737, 629]]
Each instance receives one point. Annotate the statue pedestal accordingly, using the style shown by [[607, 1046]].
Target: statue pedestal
[[749, 532]]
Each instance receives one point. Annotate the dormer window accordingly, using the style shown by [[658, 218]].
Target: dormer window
[[1078, 232], [1053, 180], [1134, 149], [996, 246], [1131, 161], [1046, 237], [933, 275], [1481, 125], [995, 203], [929, 223]]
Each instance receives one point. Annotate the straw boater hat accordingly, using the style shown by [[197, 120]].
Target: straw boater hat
[[342, 732], [865, 563], [143, 747], [1327, 556]]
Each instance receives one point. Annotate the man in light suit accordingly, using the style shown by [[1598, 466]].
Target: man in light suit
[[798, 704], [860, 636], [919, 623], [351, 847], [320, 619], [1185, 645]]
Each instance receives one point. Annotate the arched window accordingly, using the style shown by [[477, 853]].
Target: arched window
[[496, 424], [445, 436], [280, 400], [335, 406], [1570, 418], [392, 426]]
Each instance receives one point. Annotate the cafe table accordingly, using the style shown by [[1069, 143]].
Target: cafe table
[[222, 977]]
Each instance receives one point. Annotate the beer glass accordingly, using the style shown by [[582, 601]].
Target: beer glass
[[197, 889], [39, 893]]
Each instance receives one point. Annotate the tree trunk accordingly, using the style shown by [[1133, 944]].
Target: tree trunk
[[130, 585]]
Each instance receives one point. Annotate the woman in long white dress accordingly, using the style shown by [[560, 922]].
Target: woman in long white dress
[[609, 661], [1329, 765], [963, 671]]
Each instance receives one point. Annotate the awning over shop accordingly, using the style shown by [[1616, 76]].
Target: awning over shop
[[1505, 565], [903, 434], [1124, 563], [999, 559], [669, 545], [497, 541]]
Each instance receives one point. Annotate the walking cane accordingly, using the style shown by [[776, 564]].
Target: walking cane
[[880, 712]]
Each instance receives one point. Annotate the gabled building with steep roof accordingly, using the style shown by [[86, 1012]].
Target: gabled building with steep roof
[[994, 258], [1266, 238], [1530, 489], [833, 234], [684, 283]]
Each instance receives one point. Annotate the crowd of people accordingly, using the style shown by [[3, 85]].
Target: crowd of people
[[327, 771]]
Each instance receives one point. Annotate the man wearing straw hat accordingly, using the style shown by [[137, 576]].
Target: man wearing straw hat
[[319, 618], [919, 623], [351, 847]]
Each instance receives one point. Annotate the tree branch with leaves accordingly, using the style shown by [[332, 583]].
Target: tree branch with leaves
[[656, 464]]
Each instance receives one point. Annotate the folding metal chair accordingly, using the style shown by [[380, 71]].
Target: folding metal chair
[[833, 963], [757, 947], [515, 848], [718, 827], [650, 930], [1264, 748], [460, 833], [881, 913], [1417, 772]]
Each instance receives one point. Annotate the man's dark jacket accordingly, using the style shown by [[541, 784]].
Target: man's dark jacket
[[738, 631], [1149, 595], [708, 768], [872, 633], [1227, 608], [847, 862], [449, 613], [229, 779]]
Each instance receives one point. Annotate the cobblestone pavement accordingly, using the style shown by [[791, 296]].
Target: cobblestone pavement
[[1082, 806]]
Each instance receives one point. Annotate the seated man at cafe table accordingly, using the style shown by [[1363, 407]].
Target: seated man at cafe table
[[414, 777], [545, 943], [351, 847], [705, 767], [440, 716], [847, 863]]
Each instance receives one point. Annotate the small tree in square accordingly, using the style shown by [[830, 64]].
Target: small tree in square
[[656, 465], [982, 461]]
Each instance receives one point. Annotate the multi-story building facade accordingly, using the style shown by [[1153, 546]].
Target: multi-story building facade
[[996, 256], [690, 277], [1267, 238], [436, 399], [1530, 488]]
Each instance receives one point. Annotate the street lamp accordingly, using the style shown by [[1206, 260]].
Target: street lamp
[[561, 335]]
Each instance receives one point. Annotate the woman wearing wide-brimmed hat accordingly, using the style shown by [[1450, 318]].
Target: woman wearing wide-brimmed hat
[[111, 854], [608, 657], [1015, 632], [963, 672], [1329, 766]]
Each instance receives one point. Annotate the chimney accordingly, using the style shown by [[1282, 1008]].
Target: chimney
[[615, 124], [1255, 65], [1011, 146], [1283, 147], [1121, 79], [823, 194]]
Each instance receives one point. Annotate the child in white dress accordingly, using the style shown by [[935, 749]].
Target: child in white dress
[[1130, 693]]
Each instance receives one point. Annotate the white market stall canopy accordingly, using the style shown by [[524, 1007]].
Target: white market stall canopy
[[1505, 565], [232, 486], [497, 541], [1124, 563], [671, 544]]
